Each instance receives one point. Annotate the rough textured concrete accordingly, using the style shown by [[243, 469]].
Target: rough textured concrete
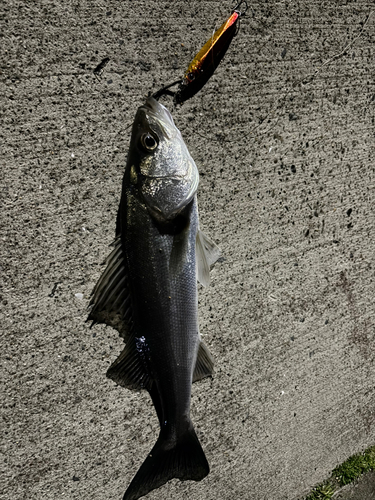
[[364, 489], [284, 139]]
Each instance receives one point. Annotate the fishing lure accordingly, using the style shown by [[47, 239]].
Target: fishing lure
[[207, 60]]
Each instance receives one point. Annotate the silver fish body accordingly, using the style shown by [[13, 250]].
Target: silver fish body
[[149, 293]]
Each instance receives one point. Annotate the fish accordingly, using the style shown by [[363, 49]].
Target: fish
[[208, 58], [148, 292]]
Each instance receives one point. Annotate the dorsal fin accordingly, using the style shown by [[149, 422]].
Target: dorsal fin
[[110, 303]]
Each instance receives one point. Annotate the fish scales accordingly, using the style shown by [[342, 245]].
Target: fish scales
[[165, 310], [148, 292]]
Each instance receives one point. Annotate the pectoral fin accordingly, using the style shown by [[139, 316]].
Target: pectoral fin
[[207, 253], [204, 364], [179, 251]]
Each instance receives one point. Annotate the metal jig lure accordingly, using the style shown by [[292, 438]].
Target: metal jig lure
[[206, 61]]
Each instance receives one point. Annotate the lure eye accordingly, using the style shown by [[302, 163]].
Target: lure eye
[[148, 142], [190, 77]]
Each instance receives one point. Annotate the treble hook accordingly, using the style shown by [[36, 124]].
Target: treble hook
[[236, 9]]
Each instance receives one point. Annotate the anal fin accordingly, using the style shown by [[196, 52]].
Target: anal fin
[[129, 369]]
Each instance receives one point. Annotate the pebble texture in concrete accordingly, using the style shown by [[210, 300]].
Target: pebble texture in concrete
[[283, 136]]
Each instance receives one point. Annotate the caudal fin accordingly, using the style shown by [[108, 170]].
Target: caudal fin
[[183, 460]]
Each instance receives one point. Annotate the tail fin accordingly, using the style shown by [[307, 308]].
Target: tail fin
[[183, 459]]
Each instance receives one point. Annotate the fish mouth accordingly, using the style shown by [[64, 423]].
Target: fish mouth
[[159, 114], [153, 105]]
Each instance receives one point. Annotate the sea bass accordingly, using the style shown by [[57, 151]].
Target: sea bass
[[148, 292]]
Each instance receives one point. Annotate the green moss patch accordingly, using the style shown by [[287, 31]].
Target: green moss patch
[[344, 474]]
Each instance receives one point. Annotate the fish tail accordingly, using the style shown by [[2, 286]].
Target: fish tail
[[183, 459]]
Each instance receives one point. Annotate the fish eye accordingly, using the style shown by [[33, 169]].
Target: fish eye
[[148, 142]]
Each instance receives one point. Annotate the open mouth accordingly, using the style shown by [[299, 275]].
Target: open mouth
[[159, 111]]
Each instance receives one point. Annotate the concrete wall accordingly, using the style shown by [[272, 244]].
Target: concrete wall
[[283, 135]]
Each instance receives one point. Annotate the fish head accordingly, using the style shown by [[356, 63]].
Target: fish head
[[160, 169]]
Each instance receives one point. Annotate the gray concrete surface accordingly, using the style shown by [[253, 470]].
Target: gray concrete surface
[[283, 136], [363, 489]]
